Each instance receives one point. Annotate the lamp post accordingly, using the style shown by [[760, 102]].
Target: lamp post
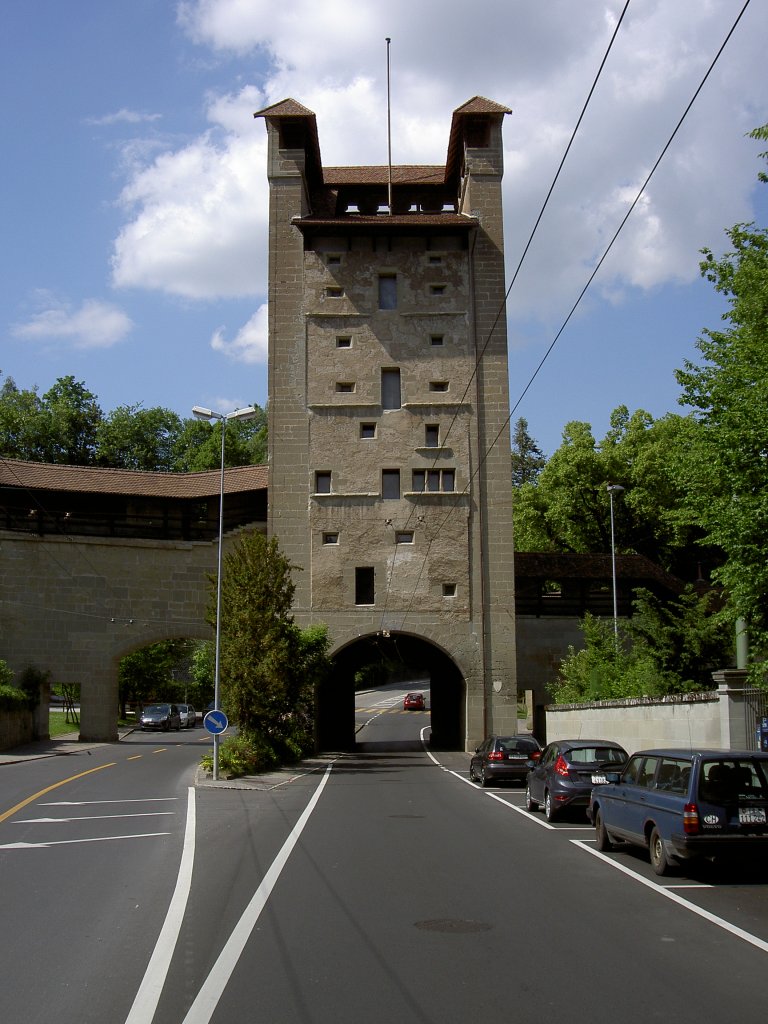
[[208, 414], [614, 489]]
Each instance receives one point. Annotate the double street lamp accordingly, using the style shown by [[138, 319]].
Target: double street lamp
[[614, 489], [208, 414]]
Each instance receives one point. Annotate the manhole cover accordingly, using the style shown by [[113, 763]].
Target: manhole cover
[[452, 924]]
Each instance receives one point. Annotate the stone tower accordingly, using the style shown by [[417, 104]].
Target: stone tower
[[389, 448]]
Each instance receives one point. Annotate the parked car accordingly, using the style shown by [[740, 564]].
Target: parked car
[[503, 759], [566, 772], [160, 716], [413, 702], [188, 716], [682, 804]]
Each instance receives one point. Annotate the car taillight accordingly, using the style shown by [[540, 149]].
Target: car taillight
[[496, 755], [690, 819], [561, 766]]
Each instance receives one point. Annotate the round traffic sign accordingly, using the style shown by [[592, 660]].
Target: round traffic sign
[[215, 721]]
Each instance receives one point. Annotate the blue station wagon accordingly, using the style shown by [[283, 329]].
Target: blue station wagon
[[682, 804]]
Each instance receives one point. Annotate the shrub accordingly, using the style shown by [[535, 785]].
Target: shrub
[[242, 755]]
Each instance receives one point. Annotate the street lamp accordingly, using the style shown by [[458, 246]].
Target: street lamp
[[208, 414], [614, 489]]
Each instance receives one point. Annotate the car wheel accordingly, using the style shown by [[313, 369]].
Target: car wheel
[[549, 811], [530, 804], [660, 862], [603, 840]]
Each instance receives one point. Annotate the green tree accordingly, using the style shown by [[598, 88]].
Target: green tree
[[148, 674], [70, 423], [528, 460], [265, 658], [131, 437], [726, 473], [20, 422], [198, 445]]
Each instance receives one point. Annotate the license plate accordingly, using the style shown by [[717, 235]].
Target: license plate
[[752, 816], [599, 780]]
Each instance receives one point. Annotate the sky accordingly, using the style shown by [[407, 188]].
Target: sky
[[135, 200]]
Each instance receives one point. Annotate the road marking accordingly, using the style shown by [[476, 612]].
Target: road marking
[[91, 817], [134, 757], [130, 800], [148, 995], [68, 842], [48, 789], [665, 891], [206, 1001]]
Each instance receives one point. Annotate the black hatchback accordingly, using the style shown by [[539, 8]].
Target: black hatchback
[[503, 759], [566, 772]]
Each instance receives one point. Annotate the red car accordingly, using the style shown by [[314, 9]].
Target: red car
[[414, 702]]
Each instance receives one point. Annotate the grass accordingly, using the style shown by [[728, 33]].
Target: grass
[[58, 726]]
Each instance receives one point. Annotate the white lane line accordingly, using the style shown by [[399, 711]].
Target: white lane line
[[720, 922], [206, 1001], [92, 817], [148, 995], [87, 803], [69, 842]]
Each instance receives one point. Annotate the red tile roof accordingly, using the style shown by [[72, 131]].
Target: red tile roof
[[402, 174], [42, 476]]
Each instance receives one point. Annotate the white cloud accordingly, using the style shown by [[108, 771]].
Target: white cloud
[[196, 216], [124, 116], [95, 324], [249, 344]]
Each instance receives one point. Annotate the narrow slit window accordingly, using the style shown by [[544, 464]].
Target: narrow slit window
[[404, 537], [364, 585], [344, 341], [344, 387], [333, 259], [390, 389], [435, 260], [390, 483], [437, 289], [440, 386], [387, 291]]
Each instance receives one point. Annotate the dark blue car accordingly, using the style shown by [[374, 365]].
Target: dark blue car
[[682, 804], [568, 769]]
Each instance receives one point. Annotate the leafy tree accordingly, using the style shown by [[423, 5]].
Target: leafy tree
[[726, 473], [135, 438], [528, 460], [198, 445], [20, 422], [72, 417], [268, 666], [147, 674]]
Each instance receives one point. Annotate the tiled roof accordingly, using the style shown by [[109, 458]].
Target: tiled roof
[[285, 108], [42, 476], [481, 105], [402, 174]]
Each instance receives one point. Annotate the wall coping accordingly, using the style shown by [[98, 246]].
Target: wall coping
[[703, 697]]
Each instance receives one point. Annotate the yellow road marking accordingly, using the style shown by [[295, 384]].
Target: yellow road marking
[[160, 750], [134, 757], [42, 792]]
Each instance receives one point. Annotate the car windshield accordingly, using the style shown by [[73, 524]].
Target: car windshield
[[516, 744], [728, 781], [596, 755], [157, 709]]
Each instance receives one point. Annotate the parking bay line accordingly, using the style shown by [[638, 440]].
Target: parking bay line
[[665, 891]]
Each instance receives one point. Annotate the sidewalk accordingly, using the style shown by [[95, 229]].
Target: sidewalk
[[61, 746]]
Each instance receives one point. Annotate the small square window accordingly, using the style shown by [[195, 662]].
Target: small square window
[[330, 538], [333, 259], [334, 291], [436, 340], [435, 260], [323, 482], [432, 435], [438, 385], [344, 387], [437, 289], [404, 537], [344, 341], [367, 430], [449, 590]]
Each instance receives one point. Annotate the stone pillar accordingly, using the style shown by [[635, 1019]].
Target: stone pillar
[[733, 718]]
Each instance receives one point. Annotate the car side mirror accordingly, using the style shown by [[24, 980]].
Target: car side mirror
[[477, 750], [612, 777]]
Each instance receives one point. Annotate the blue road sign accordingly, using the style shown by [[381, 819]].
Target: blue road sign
[[215, 722]]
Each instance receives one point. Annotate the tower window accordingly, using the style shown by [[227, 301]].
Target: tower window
[[364, 584], [344, 341], [390, 483], [333, 259], [390, 389], [323, 482], [437, 289], [367, 430], [436, 340], [387, 291], [404, 537], [334, 291], [344, 387], [434, 480], [330, 538], [449, 590], [438, 385], [432, 435]]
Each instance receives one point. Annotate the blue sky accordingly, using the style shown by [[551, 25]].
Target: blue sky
[[134, 193]]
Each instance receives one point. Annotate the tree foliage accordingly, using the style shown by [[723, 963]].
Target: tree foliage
[[726, 473], [67, 425], [268, 666], [528, 460]]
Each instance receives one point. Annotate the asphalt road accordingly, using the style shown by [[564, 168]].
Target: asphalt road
[[381, 886]]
